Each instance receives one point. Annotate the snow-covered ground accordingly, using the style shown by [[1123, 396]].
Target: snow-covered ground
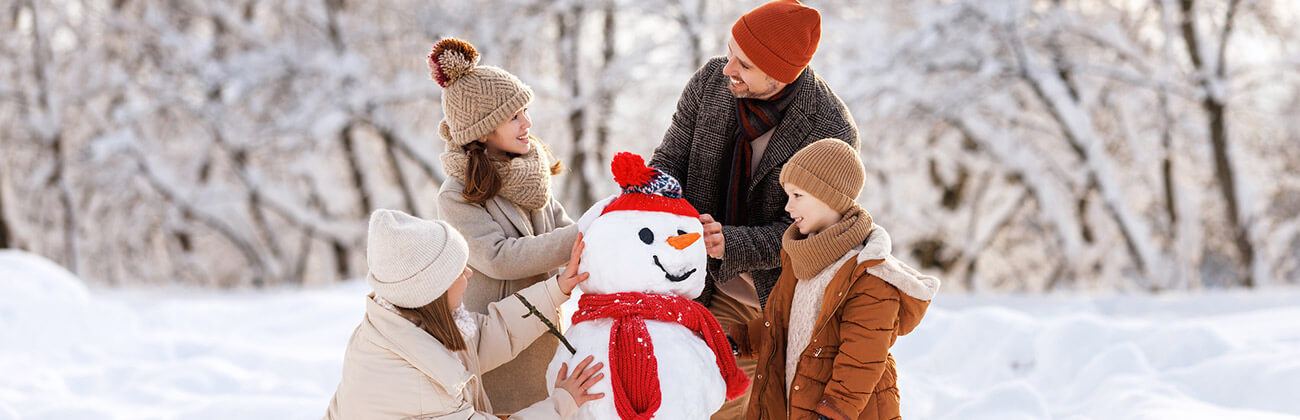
[[67, 352]]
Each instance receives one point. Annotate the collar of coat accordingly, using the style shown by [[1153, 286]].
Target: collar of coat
[[908, 280], [418, 348]]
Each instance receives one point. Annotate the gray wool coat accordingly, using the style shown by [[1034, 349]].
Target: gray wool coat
[[509, 251], [694, 151]]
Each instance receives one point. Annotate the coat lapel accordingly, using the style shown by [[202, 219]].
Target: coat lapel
[[511, 211], [717, 126]]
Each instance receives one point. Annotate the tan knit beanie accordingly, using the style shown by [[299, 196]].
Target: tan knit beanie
[[830, 170], [412, 261], [475, 99]]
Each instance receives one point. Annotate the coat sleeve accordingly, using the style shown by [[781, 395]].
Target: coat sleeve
[[505, 331], [673, 154], [559, 405], [749, 248], [866, 327], [499, 256]]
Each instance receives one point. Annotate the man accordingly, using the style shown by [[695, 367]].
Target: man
[[737, 122]]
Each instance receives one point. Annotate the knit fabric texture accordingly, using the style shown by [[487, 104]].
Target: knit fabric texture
[[804, 308], [830, 170], [646, 189], [412, 261], [634, 370], [810, 254], [780, 37], [526, 179], [475, 99]]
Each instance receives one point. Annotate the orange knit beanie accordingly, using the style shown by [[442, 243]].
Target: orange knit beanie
[[780, 37]]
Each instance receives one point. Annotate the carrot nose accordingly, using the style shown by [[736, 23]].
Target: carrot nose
[[683, 241]]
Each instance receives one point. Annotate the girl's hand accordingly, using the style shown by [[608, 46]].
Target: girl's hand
[[583, 378], [570, 277], [714, 243]]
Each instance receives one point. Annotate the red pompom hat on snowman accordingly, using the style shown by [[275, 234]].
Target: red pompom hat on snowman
[[646, 189]]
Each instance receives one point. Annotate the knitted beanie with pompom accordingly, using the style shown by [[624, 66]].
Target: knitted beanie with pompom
[[475, 99]]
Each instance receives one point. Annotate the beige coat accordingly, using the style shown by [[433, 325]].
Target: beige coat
[[510, 249], [393, 369]]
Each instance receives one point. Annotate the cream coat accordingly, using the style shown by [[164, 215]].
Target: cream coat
[[510, 249], [393, 369]]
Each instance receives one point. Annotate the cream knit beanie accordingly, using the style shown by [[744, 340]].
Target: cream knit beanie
[[830, 170], [475, 99], [412, 261]]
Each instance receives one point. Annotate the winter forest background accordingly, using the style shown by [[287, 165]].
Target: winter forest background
[[1011, 145]]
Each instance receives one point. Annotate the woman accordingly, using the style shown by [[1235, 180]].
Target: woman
[[415, 356], [498, 195]]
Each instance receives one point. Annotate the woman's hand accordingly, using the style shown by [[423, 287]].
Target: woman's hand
[[583, 378], [714, 243], [570, 277]]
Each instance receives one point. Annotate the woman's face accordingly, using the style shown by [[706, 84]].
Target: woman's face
[[457, 290], [511, 136]]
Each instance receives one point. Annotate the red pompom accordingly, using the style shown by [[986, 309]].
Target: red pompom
[[629, 169], [452, 58]]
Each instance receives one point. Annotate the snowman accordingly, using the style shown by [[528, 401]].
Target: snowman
[[665, 354]]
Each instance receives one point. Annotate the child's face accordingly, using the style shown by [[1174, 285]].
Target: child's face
[[810, 214], [511, 136], [457, 289]]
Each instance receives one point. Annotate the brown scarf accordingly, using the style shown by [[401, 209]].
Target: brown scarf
[[809, 255], [754, 117], [527, 178]]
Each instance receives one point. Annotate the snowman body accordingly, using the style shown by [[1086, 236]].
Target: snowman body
[[646, 252], [690, 386]]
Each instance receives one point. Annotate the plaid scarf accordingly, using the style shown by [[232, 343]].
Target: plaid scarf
[[633, 369], [756, 117]]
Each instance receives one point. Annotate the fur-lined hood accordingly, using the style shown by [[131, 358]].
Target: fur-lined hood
[[917, 288]]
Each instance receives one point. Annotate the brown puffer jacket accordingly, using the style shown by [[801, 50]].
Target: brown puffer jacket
[[846, 372]]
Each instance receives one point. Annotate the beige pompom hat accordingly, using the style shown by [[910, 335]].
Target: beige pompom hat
[[475, 99]]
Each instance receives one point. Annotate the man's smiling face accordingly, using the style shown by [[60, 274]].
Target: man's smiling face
[[745, 80]]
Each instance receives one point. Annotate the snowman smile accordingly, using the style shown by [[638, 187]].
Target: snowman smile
[[670, 276]]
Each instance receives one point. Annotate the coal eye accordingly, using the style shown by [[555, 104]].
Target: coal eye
[[681, 232], [647, 236]]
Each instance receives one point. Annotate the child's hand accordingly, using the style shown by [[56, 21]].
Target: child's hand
[[570, 277], [583, 378], [714, 243]]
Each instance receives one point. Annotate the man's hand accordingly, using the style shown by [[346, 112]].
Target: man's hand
[[714, 243]]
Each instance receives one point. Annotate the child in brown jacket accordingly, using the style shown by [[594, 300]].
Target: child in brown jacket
[[841, 301]]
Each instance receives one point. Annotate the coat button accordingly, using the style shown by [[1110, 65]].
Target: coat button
[[796, 387], [767, 324], [760, 376]]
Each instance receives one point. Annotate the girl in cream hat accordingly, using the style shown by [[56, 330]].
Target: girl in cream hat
[[418, 352]]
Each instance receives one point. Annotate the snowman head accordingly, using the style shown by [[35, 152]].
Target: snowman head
[[647, 239]]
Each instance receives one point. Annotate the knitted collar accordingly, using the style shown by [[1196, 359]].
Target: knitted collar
[[810, 254], [634, 370], [527, 178]]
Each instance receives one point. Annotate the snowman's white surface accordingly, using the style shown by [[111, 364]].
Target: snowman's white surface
[[619, 260]]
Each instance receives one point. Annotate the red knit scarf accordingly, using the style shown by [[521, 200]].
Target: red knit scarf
[[634, 372]]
